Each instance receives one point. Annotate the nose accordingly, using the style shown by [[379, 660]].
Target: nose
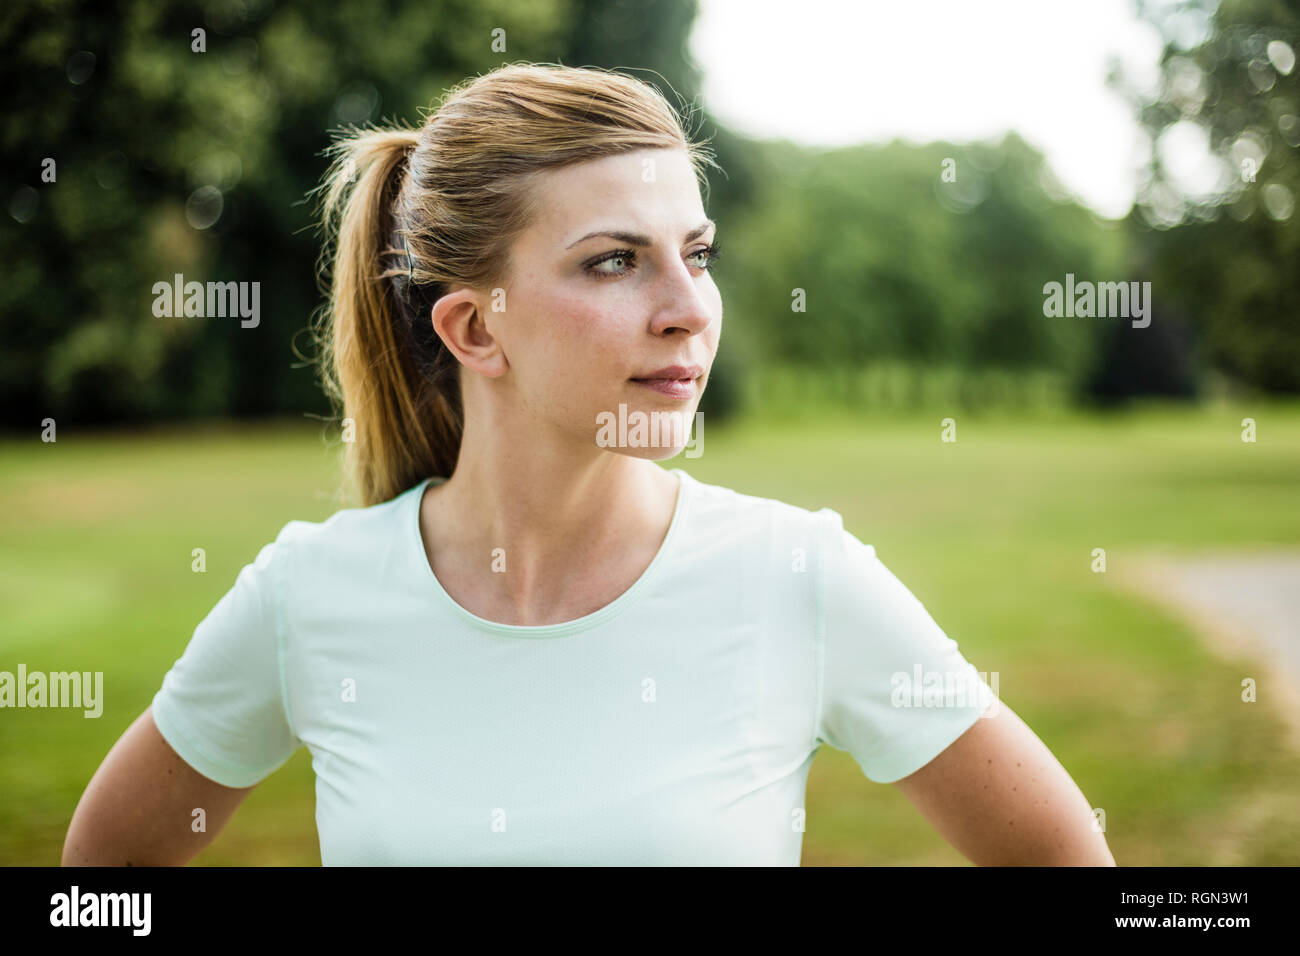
[[682, 300]]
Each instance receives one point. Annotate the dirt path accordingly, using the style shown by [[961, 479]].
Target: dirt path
[[1245, 605]]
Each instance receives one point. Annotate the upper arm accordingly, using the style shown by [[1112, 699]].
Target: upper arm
[[895, 689], [1000, 797], [138, 809]]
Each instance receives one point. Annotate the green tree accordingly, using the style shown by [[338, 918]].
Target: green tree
[[894, 261], [1226, 255]]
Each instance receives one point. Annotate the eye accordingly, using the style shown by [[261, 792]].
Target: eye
[[619, 257], [710, 255]]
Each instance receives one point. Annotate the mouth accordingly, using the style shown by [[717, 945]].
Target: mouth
[[675, 381], [677, 388]]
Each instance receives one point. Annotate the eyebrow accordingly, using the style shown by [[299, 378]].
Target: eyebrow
[[637, 239]]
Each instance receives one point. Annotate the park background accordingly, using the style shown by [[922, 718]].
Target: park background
[[924, 302]]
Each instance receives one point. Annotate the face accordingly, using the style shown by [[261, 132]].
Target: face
[[611, 316]]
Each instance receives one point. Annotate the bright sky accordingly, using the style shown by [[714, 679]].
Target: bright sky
[[832, 73]]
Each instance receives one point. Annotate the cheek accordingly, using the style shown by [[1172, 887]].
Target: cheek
[[564, 334], [584, 325]]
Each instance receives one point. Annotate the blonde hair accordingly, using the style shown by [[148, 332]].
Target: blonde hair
[[456, 193]]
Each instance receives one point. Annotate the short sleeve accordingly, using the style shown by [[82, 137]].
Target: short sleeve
[[895, 690], [222, 705]]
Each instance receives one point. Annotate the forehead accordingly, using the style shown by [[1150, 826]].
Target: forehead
[[646, 189]]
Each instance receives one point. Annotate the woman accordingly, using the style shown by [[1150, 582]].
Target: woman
[[531, 644]]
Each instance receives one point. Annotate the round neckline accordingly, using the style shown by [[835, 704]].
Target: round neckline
[[587, 621]]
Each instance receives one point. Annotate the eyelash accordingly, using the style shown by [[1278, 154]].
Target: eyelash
[[712, 251]]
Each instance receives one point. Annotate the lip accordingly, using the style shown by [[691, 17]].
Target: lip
[[675, 381], [672, 372]]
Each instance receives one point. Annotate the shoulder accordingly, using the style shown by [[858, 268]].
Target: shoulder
[[732, 514], [349, 535]]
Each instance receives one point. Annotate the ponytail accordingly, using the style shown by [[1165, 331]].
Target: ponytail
[[385, 367]]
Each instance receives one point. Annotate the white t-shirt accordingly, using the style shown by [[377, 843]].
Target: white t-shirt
[[675, 725]]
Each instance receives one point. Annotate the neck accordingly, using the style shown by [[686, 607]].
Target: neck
[[563, 511]]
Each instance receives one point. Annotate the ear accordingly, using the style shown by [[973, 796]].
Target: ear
[[459, 319]]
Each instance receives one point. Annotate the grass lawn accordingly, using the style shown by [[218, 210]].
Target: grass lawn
[[994, 533]]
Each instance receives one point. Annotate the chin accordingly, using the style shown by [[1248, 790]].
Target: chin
[[650, 454]]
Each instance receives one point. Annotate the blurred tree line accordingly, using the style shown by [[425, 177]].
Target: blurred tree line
[[169, 161], [1223, 248], [920, 256]]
